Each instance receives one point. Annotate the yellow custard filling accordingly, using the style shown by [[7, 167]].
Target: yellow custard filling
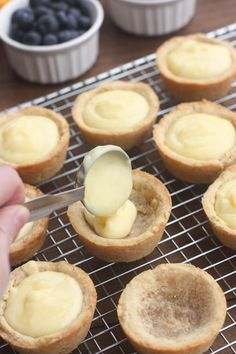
[[197, 60], [201, 136], [115, 110], [24, 231], [108, 185], [108, 182], [117, 225], [43, 303], [225, 203], [28, 139]]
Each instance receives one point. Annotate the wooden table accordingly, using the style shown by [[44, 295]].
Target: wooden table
[[116, 47]]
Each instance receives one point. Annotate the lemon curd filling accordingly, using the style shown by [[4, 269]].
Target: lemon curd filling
[[225, 203], [24, 231], [117, 225], [201, 136], [108, 185], [27, 139], [43, 303], [115, 110], [197, 60]]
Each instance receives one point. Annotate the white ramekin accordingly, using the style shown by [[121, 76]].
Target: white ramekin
[[55, 63], [151, 17]]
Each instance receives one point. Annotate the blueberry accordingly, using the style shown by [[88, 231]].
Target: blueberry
[[84, 23], [64, 36], [83, 8], [16, 33], [73, 3], [72, 23], [59, 6], [42, 10], [24, 18], [76, 3], [67, 21], [47, 24], [37, 3], [32, 38], [62, 18], [50, 39], [75, 12]]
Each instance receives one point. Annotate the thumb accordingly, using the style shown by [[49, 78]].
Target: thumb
[[12, 218]]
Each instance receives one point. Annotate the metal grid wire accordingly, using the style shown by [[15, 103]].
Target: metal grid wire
[[187, 237]]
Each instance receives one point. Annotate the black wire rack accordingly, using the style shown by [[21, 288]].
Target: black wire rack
[[187, 238]]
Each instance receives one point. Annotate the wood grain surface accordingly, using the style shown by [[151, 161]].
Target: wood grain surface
[[116, 47]]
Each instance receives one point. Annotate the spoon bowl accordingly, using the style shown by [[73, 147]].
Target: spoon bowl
[[45, 205]]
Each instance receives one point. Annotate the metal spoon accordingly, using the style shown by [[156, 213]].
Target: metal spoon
[[48, 203]]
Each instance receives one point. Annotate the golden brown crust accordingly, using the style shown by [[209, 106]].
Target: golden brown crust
[[189, 90], [128, 139], [25, 248], [39, 171], [66, 340], [153, 204], [224, 233], [172, 309], [187, 169]]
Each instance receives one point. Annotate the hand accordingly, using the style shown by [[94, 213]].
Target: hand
[[12, 217]]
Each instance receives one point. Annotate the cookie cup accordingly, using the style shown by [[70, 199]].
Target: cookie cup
[[153, 204], [223, 232], [185, 168], [65, 340], [48, 166], [25, 248], [172, 309], [189, 89], [125, 139]]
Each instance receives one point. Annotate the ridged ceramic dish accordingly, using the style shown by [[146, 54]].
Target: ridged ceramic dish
[[54, 63], [151, 17]]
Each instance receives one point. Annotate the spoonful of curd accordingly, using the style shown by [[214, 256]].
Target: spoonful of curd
[[103, 185]]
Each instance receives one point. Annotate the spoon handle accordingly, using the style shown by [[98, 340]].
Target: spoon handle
[[45, 205]]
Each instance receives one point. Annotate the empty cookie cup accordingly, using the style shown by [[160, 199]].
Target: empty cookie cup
[[172, 309]]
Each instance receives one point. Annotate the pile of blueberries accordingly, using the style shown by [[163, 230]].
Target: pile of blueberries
[[48, 22]]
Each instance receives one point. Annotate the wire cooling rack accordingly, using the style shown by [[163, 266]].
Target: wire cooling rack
[[187, 237]]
